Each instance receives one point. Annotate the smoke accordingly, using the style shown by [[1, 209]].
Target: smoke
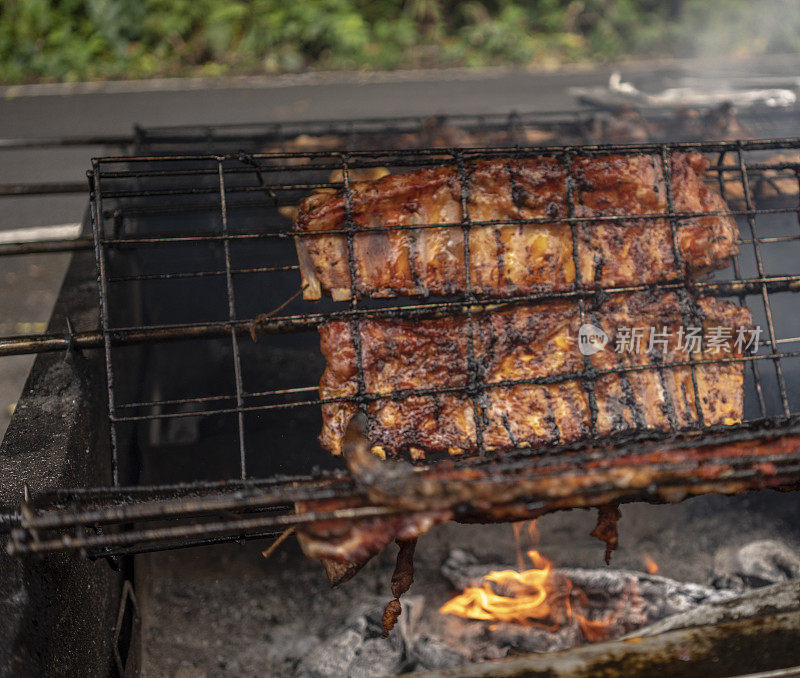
[[740, 28]]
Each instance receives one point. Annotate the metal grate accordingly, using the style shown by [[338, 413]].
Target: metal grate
[[577, 126], [191, 250]]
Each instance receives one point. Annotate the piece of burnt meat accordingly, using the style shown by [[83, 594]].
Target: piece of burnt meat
[[391, 613], [393, 256], [508, 499], [344, 546], [608, 516], [402, 578]]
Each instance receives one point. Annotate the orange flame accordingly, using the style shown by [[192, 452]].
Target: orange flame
[[650, 564], [533, 536], [523, 597], [535, 597]]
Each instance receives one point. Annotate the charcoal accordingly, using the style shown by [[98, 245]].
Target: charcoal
[[333, 657], [377, 657], [480, 641], [768, 600], [359, 651], [758, 563], [426, 653], [625, 600], [661, 596], [518, 638]]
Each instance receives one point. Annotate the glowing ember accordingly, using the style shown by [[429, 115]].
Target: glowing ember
[[650, 564], [537, 597]]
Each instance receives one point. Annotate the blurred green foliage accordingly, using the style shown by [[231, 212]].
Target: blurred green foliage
[[85, 39]]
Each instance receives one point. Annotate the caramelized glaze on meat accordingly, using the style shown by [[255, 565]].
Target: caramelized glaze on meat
[[506, 257], [526, 343]]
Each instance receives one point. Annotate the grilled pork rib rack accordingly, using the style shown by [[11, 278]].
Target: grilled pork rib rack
[[398, 249], [416, 376]]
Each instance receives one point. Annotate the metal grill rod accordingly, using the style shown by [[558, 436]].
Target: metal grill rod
[[67, 497], [198, 530], [65, 141], [187, 507], [248, 164], [20, 544], [502, 223], [138, 549], [289, 491], [197, 133], [43, 343], [415, 155], [46, 246], [42, 188]]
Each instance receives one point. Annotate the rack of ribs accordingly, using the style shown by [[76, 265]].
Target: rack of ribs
[[393, 255], [538, 346]]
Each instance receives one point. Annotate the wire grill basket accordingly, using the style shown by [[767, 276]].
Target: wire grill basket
[[196, 260]]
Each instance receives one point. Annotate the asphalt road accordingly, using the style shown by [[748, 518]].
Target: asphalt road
[[28, 285]]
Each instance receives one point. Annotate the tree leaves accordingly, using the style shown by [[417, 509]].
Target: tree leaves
[[84, 39]]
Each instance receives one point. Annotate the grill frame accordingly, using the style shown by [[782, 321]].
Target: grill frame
[[765, 122], [47, 524]]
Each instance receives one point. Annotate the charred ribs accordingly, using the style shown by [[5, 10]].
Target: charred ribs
[[535, 386], [400, 249]]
